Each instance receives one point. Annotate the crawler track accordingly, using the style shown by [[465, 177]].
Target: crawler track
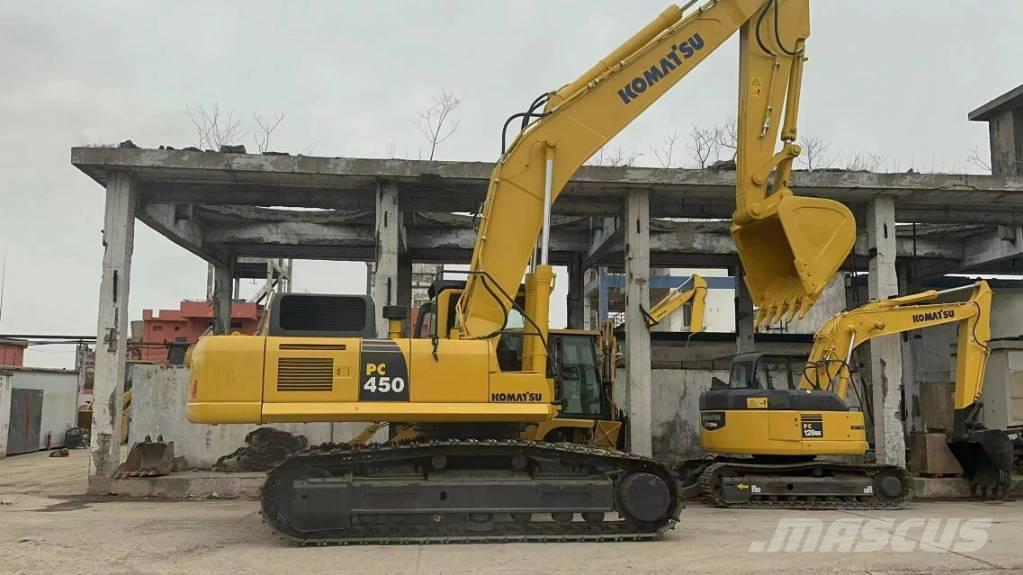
[[815, 485], [457, 490]]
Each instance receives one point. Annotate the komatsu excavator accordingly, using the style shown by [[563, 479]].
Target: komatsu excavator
[[469, 476], [779, 416], [695, 295]]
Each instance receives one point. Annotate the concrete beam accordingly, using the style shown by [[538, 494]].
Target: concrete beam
[[886, 351], [112, 329], [636, 222], [291, 233], [177, 223], [215, 178], [999, 244], [388, 250], [985, 251], [607, 237]]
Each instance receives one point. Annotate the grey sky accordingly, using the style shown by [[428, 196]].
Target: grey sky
[[888, 78]]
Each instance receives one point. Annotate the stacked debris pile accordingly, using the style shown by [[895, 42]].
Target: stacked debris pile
[[264, 449]]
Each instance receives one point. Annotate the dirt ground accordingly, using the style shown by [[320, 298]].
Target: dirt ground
[[48, 526]]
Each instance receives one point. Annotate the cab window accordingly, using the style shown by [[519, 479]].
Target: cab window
[[773, 373], [741, 376], [581, 387]]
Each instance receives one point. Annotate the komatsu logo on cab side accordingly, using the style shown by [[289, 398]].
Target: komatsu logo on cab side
[[667, 65], [524, 397], [934, 315]]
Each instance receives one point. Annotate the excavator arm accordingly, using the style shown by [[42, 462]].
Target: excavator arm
[[986, 455], [676, 298], [790, 247], [828, 364]]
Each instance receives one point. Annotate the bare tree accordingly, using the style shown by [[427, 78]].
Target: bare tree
[[978, 161], [266, 129], [727, 137], [215, 127], [814, 155], [614, 157], [666, 151], [433, 121], [703, 145], [865, 162]]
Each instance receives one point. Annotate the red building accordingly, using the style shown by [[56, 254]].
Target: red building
[[12, 352], [186, 324]]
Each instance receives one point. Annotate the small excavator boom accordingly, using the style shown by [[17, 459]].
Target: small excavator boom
[[828, 365], [985, 454], [676, 298]]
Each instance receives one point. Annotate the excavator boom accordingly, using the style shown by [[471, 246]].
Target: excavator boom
[[828, 364], [790, 247], [676, 298], [986, 455]]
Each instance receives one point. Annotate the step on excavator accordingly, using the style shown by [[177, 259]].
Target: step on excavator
[[775, 423], [468, 475]]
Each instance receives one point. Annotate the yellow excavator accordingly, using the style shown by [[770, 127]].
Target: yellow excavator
[[468, 393], [696, 296], [779, 417]]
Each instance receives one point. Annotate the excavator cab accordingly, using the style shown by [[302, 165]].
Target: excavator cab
[[581, 363]]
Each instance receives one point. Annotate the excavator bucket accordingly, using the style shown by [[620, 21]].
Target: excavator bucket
[[148, 459], [790, 256], [986, 457]]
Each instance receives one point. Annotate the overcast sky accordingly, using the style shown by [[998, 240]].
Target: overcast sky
[[895, 79]]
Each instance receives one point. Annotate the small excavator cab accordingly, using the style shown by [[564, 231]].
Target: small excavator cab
[[766, 371]]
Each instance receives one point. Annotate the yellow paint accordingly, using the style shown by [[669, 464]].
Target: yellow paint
[[775, 432], [674, 299], [789, 246], [848, 330]]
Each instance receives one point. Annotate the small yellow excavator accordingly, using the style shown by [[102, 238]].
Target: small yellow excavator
[[466, 390], [778, 417], [678, 297]]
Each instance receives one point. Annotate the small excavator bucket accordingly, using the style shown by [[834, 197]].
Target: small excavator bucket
[[789, 256], [148, 459], [986, 457]]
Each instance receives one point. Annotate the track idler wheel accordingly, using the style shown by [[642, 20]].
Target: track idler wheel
[[644, 497], [889, 485]]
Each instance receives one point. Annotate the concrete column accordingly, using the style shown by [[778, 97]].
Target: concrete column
[[209, 281], [223, 280], [637, 337], [112, 329], [6, 381], [405, 289], [291, 269], [576, 285], [885, 352], [587, 308], [910, 384], [744, 314], [603, 304], [388, 240]]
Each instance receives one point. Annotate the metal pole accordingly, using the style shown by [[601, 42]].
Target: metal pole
[[548, 192], [969, 287]]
